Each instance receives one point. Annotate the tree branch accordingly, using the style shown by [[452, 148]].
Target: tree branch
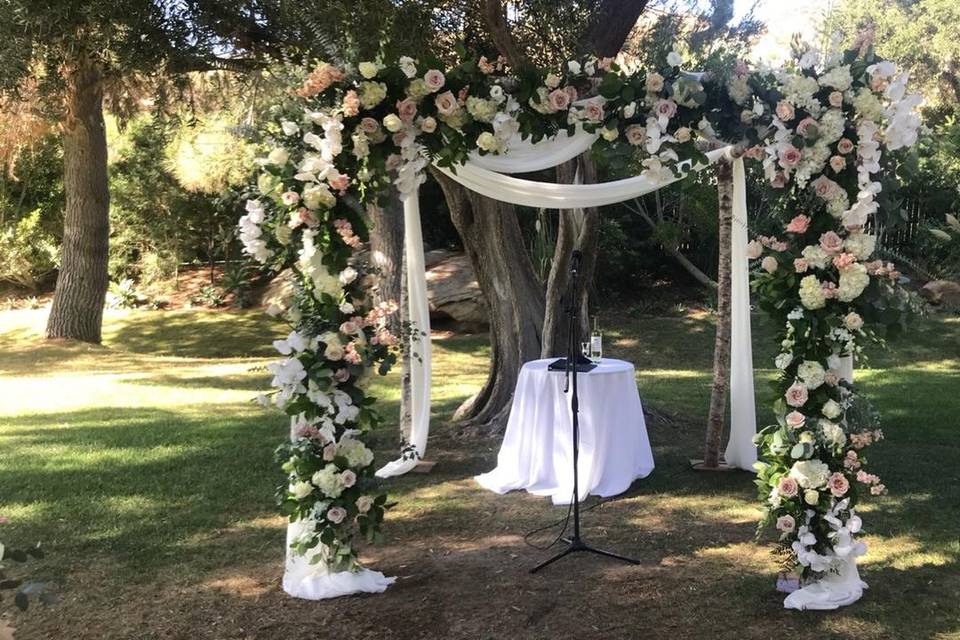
[[495, 17], [611, 25]]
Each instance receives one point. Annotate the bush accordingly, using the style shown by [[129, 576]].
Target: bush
[[28, 254]]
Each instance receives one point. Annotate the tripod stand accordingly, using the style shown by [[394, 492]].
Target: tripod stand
[[575, 542]]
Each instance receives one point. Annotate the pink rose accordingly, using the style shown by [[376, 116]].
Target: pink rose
[[789, 156], [828, 289], [754, 153], [851, 460], [665, 107], [369, 125], [428, 125], [837, 163], [796, 395], [785, 110], [434, 79], [838, 484], [845, 146], [364, 503], [593, 110], [349, 478], [447, 104], [805, 124], [786, 523], [558, 100], [329, 452], [635, 134], [399, 137], [795, 419], [799, 224], [571, 92], [831, 378], [339, 182], [800, 265], [844, 260], [336, 515], [831, 242], [407, 110], [878, 490], [836, 99], [779, 180], [654, 82], [825, 187], [342, 375], [788, 487], [290, 198], [349, 327], [302, 216]]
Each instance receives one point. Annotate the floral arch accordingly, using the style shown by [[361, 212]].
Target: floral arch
[[824, 128]]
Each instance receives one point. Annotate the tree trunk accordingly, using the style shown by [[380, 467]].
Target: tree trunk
[[77, 310], [387, 255], [575, 230], [493, 242], [721, 351]]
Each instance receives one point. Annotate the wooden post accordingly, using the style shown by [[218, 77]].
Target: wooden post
[[721, 352]]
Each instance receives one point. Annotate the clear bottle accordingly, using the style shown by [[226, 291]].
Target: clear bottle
[[596, 341]]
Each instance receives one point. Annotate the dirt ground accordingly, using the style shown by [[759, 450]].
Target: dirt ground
[[462, 571]]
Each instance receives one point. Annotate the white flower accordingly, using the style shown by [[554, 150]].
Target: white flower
[[783, 360], [289, 128], [811, 294], [833, 434], [357, 454], [301, 489], [336, 515], [853, 280], [811, 497], [674, 59], [348, 275], [552, 80], [811, 373], [810, 474], [368, 69], [349, 478], [393, 123], [408, 66], [278, 156], [754, 249], [328, 480], [832, 409], [488, 142], [346, 308], [574, 67]]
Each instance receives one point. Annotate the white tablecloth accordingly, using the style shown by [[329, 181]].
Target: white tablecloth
[[537, 449]]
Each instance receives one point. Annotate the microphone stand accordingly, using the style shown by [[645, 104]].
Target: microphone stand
[[575, 542]]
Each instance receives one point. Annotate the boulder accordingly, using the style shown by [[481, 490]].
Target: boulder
[[942, 292], [453, 290]]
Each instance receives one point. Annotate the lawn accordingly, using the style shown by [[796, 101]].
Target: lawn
[[147, 473]]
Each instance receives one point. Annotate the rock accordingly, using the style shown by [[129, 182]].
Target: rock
[[942, 292], [453, 291], [279, 291]]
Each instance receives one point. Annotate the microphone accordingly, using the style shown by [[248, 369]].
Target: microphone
[[575, 259]]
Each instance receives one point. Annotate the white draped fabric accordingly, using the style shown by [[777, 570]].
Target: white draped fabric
[[537, 449], [482, 174], [740, 452]]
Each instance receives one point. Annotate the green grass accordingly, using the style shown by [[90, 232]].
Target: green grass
[[147, 473]]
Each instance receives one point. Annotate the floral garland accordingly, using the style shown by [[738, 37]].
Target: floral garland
[[818, 126]]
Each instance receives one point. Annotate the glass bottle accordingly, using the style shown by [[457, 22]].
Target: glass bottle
[[596, 341]]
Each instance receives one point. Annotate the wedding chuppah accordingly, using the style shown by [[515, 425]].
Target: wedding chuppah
[[823, 129]]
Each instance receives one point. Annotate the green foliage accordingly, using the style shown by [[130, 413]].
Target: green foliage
[[124, 295], [28, 254]]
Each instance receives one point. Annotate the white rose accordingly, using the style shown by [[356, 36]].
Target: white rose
[[348, 275], [574, 66], [609, 134], [364, 503], [368, 70], [674, 59], [853, 321], [333, 352], [407, 66], [754, 249], [769, 264], [393, 123], [811, 497], [301, 489], [278, 156], [831, 409], [346, 308], [289, 128]]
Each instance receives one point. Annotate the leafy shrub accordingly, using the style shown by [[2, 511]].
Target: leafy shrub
[[28, 254]]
